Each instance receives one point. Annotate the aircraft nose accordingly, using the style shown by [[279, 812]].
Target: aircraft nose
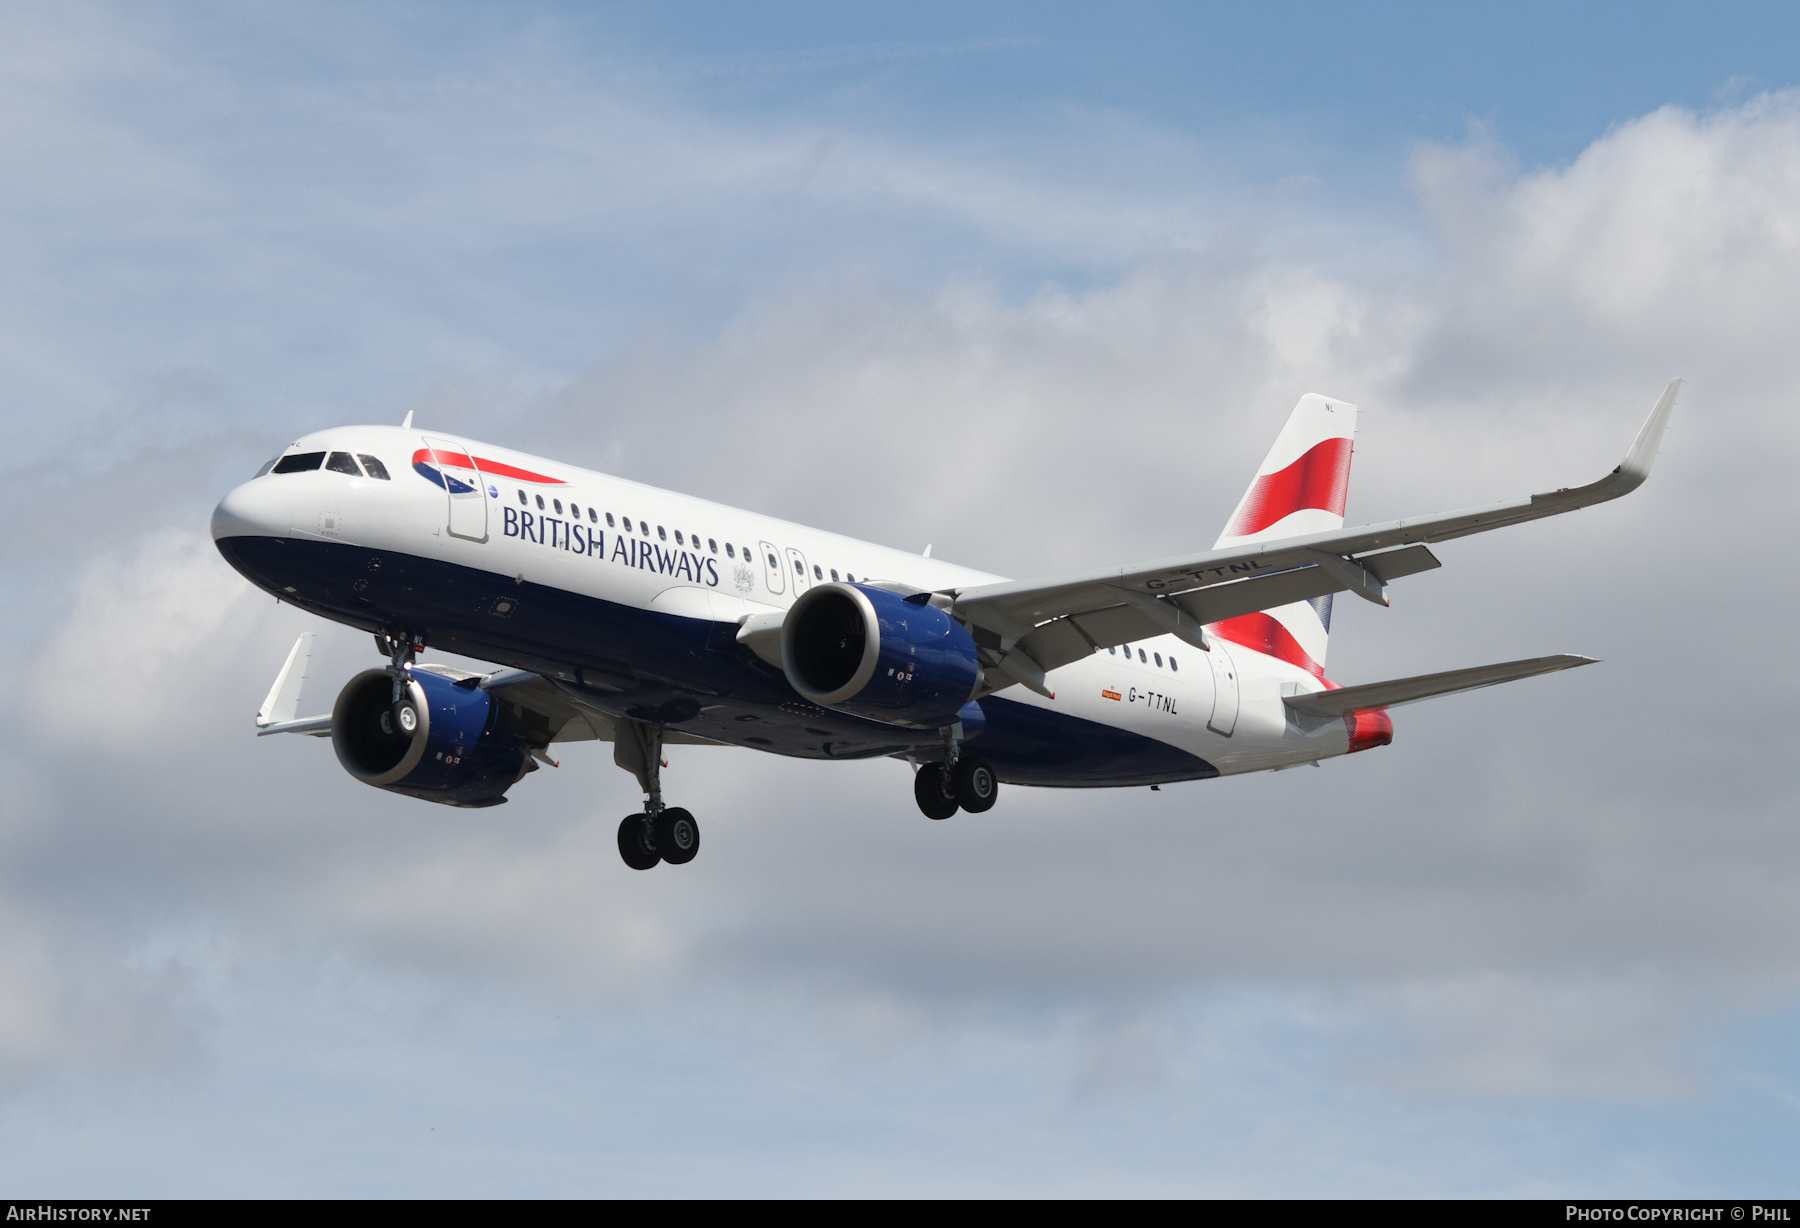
[[248, 511]]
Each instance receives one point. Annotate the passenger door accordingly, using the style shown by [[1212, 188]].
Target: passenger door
[[464, 488], [1225, 689]]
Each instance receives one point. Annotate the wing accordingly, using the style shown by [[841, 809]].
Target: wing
[[549, 714], [1028, 627], [544, 710], [277, 714]]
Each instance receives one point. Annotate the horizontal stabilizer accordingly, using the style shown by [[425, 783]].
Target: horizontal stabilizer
[[1426, 686]]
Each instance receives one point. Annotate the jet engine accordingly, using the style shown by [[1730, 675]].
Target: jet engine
[[440, 741], [873, 653]]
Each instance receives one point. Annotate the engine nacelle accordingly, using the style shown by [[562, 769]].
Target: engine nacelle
[[874, 653], [441, 742]]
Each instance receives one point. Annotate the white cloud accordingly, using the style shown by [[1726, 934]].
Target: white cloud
[[140, 631]]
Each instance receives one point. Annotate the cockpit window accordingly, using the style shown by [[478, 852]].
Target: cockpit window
[[343, 462], [299, 462], [266, 466], [376, 468]]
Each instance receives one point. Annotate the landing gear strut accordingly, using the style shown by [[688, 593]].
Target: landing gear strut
[[660, 833], [400, 649]]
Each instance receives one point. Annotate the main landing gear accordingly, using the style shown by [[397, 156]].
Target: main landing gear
[[660, 833], [958, 782], [669, 835]]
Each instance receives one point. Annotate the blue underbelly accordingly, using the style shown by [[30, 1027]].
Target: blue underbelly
[[686, 674]]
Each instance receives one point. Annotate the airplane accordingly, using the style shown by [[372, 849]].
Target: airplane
[[615, 611]]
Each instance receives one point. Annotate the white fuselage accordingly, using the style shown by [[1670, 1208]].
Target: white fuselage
[[565, 529]]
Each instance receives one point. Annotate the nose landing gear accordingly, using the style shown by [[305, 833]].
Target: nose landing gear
[[660, 833]]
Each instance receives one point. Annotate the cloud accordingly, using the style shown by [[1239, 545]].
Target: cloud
[[1523, 1038]]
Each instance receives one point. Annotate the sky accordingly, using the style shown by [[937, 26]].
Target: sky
[[1035, 284]]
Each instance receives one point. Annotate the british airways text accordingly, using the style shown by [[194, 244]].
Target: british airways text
[[631, 551]]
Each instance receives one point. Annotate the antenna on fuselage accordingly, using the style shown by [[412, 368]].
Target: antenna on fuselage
[[407, 425]]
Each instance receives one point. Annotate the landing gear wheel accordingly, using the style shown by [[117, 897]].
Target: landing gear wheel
[[974, 783], [407, 717], [677, 836], [933, 791], [635, 844]]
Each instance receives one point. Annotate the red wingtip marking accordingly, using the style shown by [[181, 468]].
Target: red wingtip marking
[[1319, 479]]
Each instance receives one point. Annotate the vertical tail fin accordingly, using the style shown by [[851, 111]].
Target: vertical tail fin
[[1299, 488]]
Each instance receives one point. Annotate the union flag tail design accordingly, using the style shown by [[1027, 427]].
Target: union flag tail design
[[1300, 488]]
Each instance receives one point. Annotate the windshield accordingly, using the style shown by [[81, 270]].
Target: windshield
[[299, 462]]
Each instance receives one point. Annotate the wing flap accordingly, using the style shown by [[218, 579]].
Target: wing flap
[[1057, 644], [1397, 564], [1427, 686], [1119, 625]]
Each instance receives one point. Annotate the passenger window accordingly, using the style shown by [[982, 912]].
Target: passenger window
[[849, 579], [609, 521], [730, 553], [376, 468], [817, 574], [558, 503], [299, 462], [540, 502], [523, 502], [628, 524], [644, 527], [1112, 652], [1141, 658], [712, 545], [1174, 666], [593, 516], [1158, 657], [798, 567], [678, 540], [661, 535], [574, 511], [834, 574]]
